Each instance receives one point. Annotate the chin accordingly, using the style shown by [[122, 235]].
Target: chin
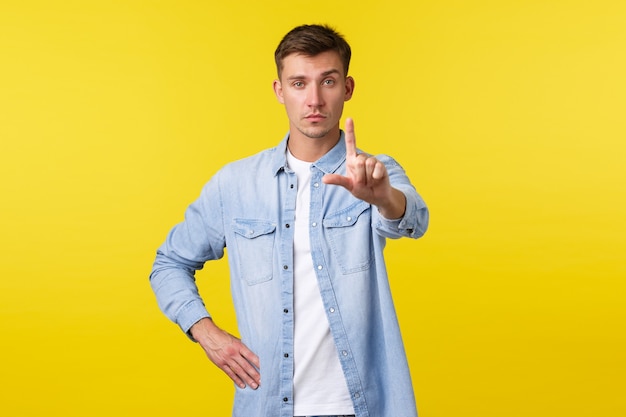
[[318, 133]]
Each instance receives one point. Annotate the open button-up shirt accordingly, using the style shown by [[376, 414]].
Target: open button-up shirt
[[249, 207]]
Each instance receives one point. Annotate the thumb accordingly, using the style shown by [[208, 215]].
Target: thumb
[[336, 179]]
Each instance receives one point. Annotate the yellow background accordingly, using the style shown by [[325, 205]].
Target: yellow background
[[508, 115]]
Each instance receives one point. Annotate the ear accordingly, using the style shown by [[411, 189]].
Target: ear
[[349, 88], [278, 90]]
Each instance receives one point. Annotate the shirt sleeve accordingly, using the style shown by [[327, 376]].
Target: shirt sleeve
[[415, 220], [199, 238]]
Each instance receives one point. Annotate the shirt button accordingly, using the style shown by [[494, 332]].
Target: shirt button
[[285, 267], [287, 226], [348, 218], [285, 311], [291, 186], [316, 185], [286, 355], [344, 353], [357, 395], [332, 310], [314, 224], [285, 399], [319, 267]]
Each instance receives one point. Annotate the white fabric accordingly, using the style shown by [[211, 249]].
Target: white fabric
[[319, 384]]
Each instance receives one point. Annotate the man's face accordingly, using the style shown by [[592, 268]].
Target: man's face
[[313, 90]]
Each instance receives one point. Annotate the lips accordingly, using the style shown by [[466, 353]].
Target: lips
[[315, 117]]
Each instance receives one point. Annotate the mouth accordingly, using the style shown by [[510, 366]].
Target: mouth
[[315, 117]]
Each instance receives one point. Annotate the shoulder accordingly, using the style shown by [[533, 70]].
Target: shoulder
[[252, 160], [260, 164]]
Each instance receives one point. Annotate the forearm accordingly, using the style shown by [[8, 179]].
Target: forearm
[[413, 223], [177, 296], [394, 206]]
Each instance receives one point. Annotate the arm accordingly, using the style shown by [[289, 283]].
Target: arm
[[368, 179], [188, 246]]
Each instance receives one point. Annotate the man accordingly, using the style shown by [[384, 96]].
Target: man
[[305, 224]]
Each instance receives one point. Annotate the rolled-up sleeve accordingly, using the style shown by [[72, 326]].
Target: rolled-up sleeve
[[414, 223], [199, 238]]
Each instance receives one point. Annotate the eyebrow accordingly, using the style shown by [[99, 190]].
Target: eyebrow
[[324, 74]]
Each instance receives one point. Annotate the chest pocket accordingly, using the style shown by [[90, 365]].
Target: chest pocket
[[255, 249], [350, 237]]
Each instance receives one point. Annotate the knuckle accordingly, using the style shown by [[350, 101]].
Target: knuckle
[[230, 350]]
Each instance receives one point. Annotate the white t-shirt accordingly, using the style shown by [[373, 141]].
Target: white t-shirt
[[319, 384]]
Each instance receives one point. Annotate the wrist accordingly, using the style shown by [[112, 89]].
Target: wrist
[[202, 329], [395, 206]]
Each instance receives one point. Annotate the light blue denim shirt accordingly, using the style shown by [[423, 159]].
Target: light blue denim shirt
[[249, 208]]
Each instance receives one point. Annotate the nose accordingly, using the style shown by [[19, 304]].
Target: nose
[[314, 96]]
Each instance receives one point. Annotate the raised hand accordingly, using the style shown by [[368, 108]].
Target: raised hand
[[367, 179]]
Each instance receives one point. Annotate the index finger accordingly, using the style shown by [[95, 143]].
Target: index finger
[[250, 356], [350, 138]]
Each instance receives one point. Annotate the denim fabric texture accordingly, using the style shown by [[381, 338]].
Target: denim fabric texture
[[248, 207], [343, 415]]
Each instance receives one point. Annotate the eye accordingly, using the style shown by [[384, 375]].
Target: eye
[[298, 84], [329, 81]]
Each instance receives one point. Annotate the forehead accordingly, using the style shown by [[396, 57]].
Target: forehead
[[300, 65]]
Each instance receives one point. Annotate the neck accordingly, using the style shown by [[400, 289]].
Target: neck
[[311, 149]]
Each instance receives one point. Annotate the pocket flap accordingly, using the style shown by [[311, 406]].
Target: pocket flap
[[251, 228], [348, 216]]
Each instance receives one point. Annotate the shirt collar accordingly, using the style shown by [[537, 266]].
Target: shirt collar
[[279, 159], [328, 163], [332, 160]]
